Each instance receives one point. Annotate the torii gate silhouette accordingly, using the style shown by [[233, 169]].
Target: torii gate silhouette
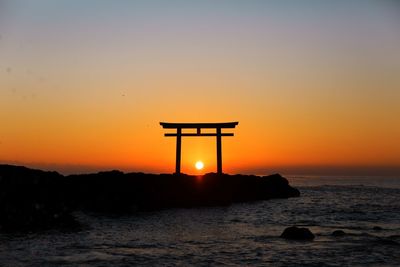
[[198, 126]]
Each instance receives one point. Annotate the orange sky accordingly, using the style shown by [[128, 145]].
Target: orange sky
[[86, 90]]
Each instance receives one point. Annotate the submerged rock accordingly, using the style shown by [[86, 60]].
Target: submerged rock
[[338, 233], [297, 233]]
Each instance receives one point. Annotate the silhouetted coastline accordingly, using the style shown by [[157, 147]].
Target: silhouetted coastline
[[34, 199]]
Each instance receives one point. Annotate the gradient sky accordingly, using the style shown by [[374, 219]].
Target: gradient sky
[[315, 85]]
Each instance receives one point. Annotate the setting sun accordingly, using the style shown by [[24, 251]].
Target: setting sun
[[199, 165]]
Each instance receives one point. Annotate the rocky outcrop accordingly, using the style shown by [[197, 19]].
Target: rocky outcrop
[[296, 233], [115, 191], [37, 199], [32, 199], [338, 233]]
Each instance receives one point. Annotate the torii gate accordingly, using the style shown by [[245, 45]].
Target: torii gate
[[198, 126]]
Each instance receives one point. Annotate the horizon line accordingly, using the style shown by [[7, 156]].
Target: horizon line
[[307, 170]]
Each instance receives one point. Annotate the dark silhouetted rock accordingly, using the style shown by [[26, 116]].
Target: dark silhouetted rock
[[338, 233], [36, 199], [33, 199], [297, 233]]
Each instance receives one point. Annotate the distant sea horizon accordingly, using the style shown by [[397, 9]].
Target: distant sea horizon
[[344, 180]]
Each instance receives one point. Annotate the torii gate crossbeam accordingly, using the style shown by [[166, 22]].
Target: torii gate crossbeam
[[198, 126]]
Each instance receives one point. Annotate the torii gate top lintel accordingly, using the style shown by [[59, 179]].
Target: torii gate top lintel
[[198, 126], [191, 125]]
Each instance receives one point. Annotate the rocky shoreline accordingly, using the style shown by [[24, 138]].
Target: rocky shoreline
[[34, 199]]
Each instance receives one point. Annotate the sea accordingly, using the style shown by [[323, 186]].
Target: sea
[[367, 209]]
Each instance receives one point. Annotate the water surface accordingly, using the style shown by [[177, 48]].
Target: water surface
[[241, 234]]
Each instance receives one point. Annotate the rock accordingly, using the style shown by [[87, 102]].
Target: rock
[[338, 233], [32, 200], [297, 233], [377, 228]]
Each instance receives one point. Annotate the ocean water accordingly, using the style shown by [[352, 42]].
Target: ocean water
[[239, 235]]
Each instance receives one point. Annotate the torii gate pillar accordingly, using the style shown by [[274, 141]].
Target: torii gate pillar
[[178, 150], [219, 151]]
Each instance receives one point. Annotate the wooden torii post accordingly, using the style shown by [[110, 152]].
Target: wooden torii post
[[217, 126]]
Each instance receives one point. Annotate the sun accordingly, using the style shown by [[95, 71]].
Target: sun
[[199, 165]]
